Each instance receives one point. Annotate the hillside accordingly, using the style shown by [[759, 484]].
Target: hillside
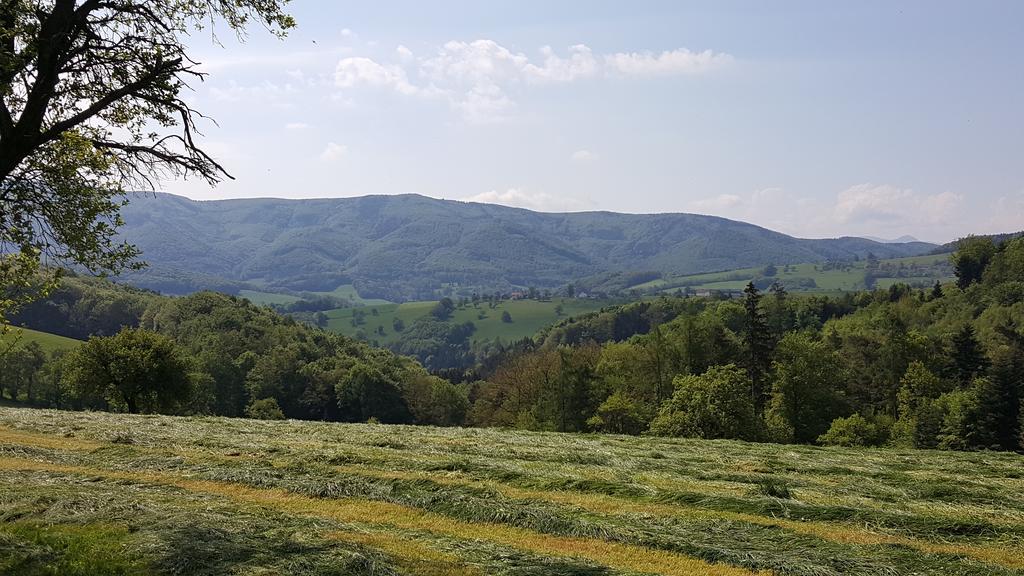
[[99, 494], [377, 323], [48, 342], [915, 271], [409, 247]]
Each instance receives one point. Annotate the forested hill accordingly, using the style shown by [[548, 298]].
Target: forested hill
[[406, 247]]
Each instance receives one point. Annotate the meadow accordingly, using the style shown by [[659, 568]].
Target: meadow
[[915, 270], [528, 317], [48, 342], [94, 493]]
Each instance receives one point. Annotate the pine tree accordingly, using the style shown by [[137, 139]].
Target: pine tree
[[967, 359], [1000, 401], [759, 341]]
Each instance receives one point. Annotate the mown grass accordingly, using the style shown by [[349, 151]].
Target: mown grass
[[215, 495]]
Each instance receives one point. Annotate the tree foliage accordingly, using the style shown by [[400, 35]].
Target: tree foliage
[[91, 106]]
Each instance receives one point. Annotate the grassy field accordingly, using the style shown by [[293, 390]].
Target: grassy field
[[528, 316], [923, 270], [344, 292], [48, 342], [92, 493]]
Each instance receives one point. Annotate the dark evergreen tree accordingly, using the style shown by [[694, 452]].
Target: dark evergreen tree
[[967, 359], [759, 343]]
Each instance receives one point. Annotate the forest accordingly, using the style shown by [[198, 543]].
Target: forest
[[935, 368]]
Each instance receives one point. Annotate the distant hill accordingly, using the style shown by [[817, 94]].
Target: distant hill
[[407, 247], [901, 240], [997, 238]]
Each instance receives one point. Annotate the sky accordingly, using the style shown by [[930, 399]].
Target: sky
[[816, 119]]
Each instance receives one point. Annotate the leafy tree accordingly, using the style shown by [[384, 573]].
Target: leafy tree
[[135, 370], [920, 418], [443, 309], [617, 415], [806, 395], [972, 256], [368, 392], [92, 106], [435, 401], [19, 367], [506, 317], [716, 404]]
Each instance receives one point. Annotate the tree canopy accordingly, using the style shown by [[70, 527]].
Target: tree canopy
[[92, 106]]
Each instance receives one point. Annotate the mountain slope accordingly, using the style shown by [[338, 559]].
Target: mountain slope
[[408, 246]]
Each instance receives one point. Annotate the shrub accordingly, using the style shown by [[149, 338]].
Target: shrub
[[853, 431], [265, 409]]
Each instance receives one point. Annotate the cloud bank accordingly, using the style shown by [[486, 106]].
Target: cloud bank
[[480, 78]]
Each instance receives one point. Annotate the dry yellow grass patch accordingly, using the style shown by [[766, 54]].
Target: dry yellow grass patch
[[412, 557], [603, 504], [34, 439], [613, 554]]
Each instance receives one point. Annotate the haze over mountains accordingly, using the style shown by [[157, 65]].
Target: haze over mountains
[[408, 246]]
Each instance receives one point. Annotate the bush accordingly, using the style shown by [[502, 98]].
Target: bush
[[265, 409], [853, 431], [617, 415]]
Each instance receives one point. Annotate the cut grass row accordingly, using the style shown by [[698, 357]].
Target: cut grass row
[[492, 500]]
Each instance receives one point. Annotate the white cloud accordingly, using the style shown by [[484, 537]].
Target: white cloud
[[583, 156], [482, 78], [681, 61], [333, 152], [295, 126], [538, 201], [278, 95], [580, 64], [873, 204], [716, 203], [355, 71], [403, 52], [866, 209], [1009, 214]]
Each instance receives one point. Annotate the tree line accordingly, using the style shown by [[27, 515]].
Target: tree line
[[935, 368]]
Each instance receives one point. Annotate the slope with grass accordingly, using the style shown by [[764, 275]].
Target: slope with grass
[[917, 271], [528, 317], [92, 493], [48, 342]]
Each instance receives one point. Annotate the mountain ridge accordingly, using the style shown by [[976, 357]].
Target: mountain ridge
[[408, 246]]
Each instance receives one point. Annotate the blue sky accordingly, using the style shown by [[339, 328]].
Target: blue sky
[[811, 118]]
